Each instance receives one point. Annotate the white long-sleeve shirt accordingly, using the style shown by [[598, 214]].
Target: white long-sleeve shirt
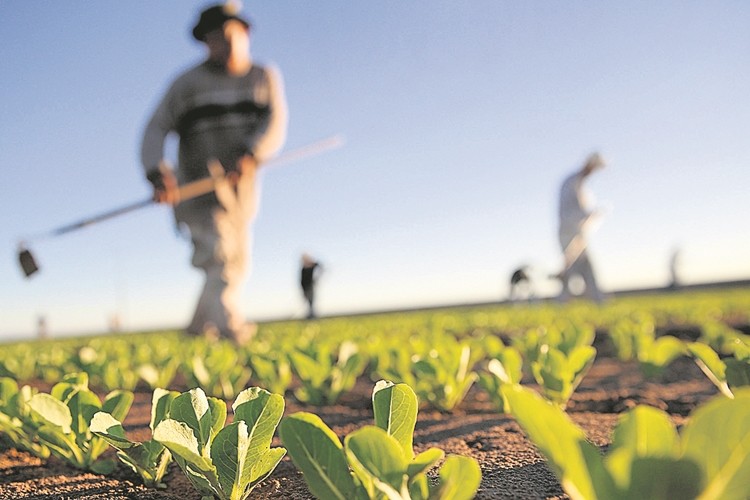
[[217, 115], [574, 206]]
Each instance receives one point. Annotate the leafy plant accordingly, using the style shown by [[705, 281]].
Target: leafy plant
[[64, 416], [722, 337], [324, 376], [655, 354], [225, 462], [272, 372], [375, 461], [161, 375], [149, 459], [442, 376], [630, 333], [726, 374], [647, 457], [506, 368], [220, 372], [559, 374], [15, 418]]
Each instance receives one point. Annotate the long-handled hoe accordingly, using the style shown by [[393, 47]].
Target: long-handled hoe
[[186, 192]]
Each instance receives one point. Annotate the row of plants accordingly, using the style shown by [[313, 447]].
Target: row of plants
[[648, 458], [228, 460], [437, 356], [440, 355]]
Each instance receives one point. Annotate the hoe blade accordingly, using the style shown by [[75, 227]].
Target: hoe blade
[[28, 264]]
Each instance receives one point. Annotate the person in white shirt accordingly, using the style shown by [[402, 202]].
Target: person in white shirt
[[575, 218]]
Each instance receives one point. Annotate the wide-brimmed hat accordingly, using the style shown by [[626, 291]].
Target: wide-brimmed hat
[[214, 17]]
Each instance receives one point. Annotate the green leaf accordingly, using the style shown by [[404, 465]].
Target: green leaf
[[664, 478], [106, 426], [395, 408], [710, 363], [376, 459], [717, 437], [228, 453], [117, 403], [557, 437], [424, 462], [738, 373], [459, 479], [318, 453], [180, 439], [160, 404], [52, 411], [262, 412], [265, 465], [643, 432], [192, 408]]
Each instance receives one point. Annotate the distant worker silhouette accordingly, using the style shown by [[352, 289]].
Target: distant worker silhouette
[[308, 279], [520, 284], [576, 218], [674, 269], [230, 109]]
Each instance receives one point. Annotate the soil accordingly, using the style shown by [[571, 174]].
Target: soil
[[511, 466]]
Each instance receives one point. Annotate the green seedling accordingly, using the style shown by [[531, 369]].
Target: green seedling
[[225, 462], [160, 375], [324, 376], [272, 372], [506, 368], [149, 459], [220, 371], [727, 374], [16, 423], [63, 418], [375, 462], [559, 374], [656, 354], [647, 457], [442, 376]]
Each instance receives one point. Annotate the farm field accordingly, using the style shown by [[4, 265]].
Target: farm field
[[446, 356]]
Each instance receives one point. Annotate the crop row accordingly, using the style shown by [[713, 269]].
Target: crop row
[[432, 358]]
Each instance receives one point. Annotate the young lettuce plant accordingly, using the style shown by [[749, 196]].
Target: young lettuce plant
[[15, 418], [271, 371], [223, 462], [506, 368], [221, 372], [441, 376], [323, 376], [160, 375], [149, 459], [655, 354], [64, 415], [727, 374], [627, 334], [647, 457], [375, 462], [559, 374]]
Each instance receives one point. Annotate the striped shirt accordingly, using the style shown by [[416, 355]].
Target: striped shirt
[[217, 115]]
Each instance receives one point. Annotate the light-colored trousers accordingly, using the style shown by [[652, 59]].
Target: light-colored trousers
[[581, 266], [220, 237]]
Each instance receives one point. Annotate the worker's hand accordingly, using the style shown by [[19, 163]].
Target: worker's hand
[[246, 165], [165, 185]]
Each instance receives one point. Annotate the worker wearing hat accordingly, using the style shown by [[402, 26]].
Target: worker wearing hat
[[575, 218], [230, 109]]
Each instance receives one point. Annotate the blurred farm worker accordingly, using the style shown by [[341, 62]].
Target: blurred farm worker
[[520, 284], [226, 108], [576, 218], [308, 279]]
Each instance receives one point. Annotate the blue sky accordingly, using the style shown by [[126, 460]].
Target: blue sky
[[460, 119]]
